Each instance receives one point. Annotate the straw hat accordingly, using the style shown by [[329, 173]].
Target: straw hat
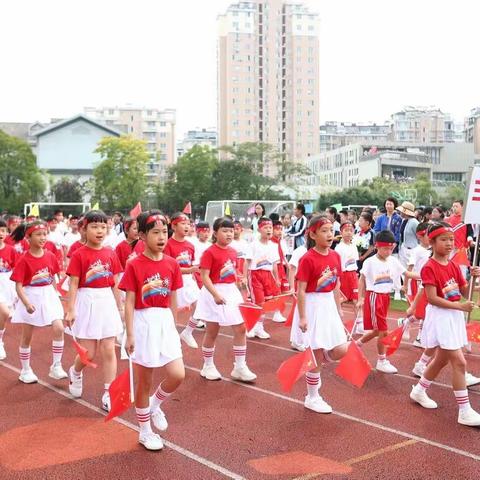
[[407, 208]]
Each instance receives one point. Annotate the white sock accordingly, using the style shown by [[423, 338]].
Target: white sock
[[25, 357], [313, 383], [424, 359], [240, 354], [143, 418], [191, 325], [158, 398], [208, 356], [2, 332], [57, 351], [463, 402], [106, 386]]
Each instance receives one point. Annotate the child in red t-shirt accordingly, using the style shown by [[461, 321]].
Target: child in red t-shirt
[[94, 303], [132, 246], [151, 282], [218, 303], [39, 305]]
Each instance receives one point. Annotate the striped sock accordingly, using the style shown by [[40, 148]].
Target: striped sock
[[425, 359], [208, 355], [57, 351], [381, 357], [25, 357], [158, 398], [143, 418], [191, 325], [423, 384], [106, 386], [2, 332], [240, 354], [463, 402], [313, 383]]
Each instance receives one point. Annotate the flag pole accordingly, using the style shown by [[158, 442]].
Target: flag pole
[[130, 368], [471, 284]]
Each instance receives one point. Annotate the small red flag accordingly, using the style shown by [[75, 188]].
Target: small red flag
[[461, 257], [354, 366], [473, 332], [83, 354], [251, 313], [289, 321], [187, 210], [293, 368], [277, 303], [136, 210], [393, 339], [119, 395]]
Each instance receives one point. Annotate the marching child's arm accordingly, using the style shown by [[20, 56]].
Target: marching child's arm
[[302, 286], [474, 272], [129, 308], [23, 297], [69, 317], [338, 298], [207, 283], [174, 306], [361, 291], [435, 300], [116, 293], [275, 273], [246, 267], [292, 271]]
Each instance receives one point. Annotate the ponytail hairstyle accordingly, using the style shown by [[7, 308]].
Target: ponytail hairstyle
[[147, 220], [222, 222], [315, 222], [94, 216]]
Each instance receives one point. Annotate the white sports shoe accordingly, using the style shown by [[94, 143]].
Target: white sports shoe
[[200, 324], [421, 397], [106, 404], [27, 376], [260, 332], [159, 419], [469, 417], [298, 347], [471, 379], [417, 343], [75, 386], [151, 441], [189, 339], [317, 404], [243, 374], [57, 372], [251, 333], [210, 372], [385, 366], [419, 368], [3, 353], [278, 317]]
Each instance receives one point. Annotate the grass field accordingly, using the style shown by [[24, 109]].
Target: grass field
[[401, 306]]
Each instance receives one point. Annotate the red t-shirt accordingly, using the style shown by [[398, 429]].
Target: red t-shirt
[[20, 247], [152, 280], [94, 268], [125, 253], [182, 252], [35, 271], [319, 271], [448, 279], [8, 258], [51, 247], [75, 246], [221, 262]]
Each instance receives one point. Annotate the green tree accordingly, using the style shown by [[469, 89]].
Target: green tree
[[21, 181], [426, 195], [68, 190], [119, 180]]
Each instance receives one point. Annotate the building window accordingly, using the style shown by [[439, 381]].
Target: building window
[[163, 124]]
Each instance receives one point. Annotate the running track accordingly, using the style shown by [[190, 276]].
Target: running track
[[230, 430]]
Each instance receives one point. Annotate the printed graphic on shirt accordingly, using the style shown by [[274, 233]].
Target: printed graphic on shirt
[[227, 270], [4, 266], [349, 262], [42, 277], [451, 289], [327, 278], [18, 247], [184, 259], [155, 286], [97, 270], [382, 278], [263, 262]]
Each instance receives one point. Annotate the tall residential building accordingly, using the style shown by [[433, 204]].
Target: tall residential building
[[156, 127], [199, 136], [268, 77], [472, 131]]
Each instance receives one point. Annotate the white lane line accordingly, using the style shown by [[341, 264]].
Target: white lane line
[[378, 426], [182, 451]]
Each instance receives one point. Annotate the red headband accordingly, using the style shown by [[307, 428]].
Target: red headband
[[318, 224], [34, 228], [345, 225], [156, 218], [179, 219], [439, 231], [421, 233], [203, 229], [384, 244], [265, 222]]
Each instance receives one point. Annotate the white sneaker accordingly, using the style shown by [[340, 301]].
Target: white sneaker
[[189, 339], [260, 332], [417, 343], [210, 372], [298, 347], [27, 376], [471, 379], [151, 441], [106, 404], [243, 374], [159, 419], [469, 417], [421, 397], [251, 333], [385, 366], [317, 404], [75, 386], [57, 372], [3, 353], [419, 368], [200, 324], [278, 317]]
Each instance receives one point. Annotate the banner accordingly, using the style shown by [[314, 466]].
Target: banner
[[472, 209]]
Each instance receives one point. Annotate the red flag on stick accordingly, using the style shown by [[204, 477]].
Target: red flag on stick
[[473, 332], [289, 321], [136, 210], [461, 257], [277, 303], [354, 367], [293, 368], [187, 210], [120, 395], [393, 339], [83, 354], [251, 313]]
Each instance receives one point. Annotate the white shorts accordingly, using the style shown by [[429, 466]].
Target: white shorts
[[96, 314], [325, 328], [443, 328], [8, 294], [156, 339], [48, 307], [188, 294], [224, 315]]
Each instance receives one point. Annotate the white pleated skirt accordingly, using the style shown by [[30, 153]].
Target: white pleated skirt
[[157, 342], [189, 293], [48, 307], [96, 314], [325, 328], [443, 328], [8, 294], [225, 315]]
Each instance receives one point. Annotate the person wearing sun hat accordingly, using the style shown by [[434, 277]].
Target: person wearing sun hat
[[408, 229]]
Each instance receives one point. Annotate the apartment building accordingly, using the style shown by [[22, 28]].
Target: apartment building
[[198, 136], [472, 131]]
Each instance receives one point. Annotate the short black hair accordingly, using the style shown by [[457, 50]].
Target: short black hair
[[94, 216], [367, 216], [3, 223], [277, 223], [274, 217], [301, 207], [458, 201], [422, 226], [145, 227], [393, 200], [427, 210], [203, 224], [222, 222], [56, 212], [385, 236]]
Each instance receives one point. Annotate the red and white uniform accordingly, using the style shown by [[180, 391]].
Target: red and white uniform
[[325, 329], [418, 258], [442, 326], [37, 275], [380, 276], [8, 259], [125, 252], [74, 247], [200, 248], [20, 247], [221, 263], [349, 277], [51, 247], [97, 315], [263, 258], [157, 342]]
